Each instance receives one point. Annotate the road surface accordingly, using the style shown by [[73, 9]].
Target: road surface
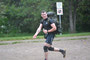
[[77, 49]]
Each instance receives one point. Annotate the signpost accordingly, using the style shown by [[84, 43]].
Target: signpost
[[59, 12]]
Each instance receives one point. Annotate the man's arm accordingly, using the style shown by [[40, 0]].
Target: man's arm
[[52, 29], [38, 31]]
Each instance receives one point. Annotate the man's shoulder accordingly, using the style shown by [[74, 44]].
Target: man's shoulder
[[51, 20], [41, 21]]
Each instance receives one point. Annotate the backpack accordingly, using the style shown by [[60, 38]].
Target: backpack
[[51, 15], [57, 26]]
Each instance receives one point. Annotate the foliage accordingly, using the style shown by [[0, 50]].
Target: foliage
[[83, 22], [23, 16]]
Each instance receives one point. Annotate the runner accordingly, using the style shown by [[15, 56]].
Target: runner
[[48, 29]]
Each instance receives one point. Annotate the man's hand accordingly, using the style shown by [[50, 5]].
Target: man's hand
[[34, 36], [45, 31]]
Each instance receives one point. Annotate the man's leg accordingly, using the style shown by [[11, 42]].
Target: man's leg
[[58, 50], [49, 47], [46, 55], [63, 52], [46, 52], [46, 45]]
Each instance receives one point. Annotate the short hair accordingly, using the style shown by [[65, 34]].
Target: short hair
[[43, 11]]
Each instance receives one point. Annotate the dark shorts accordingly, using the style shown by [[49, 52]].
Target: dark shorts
[[49, 38]]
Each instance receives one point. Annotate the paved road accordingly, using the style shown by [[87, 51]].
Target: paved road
[[76, 50]]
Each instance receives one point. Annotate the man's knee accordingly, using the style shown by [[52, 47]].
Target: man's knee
[[51, 48], [45, 49]]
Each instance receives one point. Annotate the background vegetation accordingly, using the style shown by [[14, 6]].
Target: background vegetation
[[23, 16]]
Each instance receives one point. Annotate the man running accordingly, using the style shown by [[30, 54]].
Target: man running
[[48, 28]]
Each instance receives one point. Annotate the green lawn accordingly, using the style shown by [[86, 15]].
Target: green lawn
[[11, 37]]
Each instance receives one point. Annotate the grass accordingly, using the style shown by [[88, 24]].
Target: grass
[[18, 38], [74, 34], [12, 37], [3, 43], [78, 39], [16, 42]]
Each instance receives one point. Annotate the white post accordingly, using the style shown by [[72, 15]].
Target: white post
[[60, 23], [59, 12]]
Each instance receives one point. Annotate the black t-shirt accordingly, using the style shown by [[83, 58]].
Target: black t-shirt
[[47, 23]]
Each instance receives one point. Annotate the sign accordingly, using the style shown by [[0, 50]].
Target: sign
[[59, 11], [59, 5], [59, 8]]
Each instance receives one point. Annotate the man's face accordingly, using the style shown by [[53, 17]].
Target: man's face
[[44, 15]]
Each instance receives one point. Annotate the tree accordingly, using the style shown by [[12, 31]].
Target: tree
[[3, 18], [23, 16], [71, 17], [83, 22]]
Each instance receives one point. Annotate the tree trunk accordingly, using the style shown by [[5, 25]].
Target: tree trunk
[[74, 20], [74, 13], [70, 17]]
